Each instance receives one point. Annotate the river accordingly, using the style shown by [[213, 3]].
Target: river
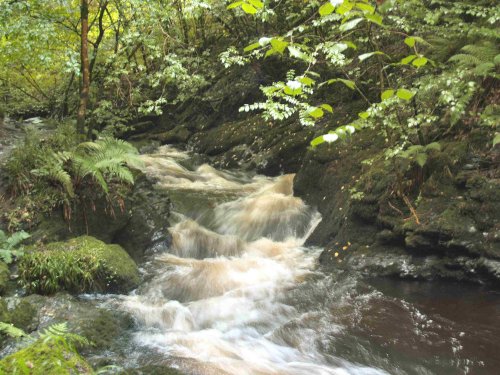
[[238, 292]]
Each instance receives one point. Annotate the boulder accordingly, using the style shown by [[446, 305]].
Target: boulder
[[82, 264], [138, 222]]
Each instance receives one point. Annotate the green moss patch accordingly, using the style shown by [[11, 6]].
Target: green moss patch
[[45, 358], [4, 276], [82, 264]]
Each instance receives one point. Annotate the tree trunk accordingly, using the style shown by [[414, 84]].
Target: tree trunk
[[84, 57]]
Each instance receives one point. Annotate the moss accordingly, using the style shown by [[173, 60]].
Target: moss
[[45, 358], [22, 316], [4, 276], [82, 264], [4, 311], [103, 327]]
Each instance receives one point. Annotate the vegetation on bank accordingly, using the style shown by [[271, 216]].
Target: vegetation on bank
[[82, 264], [45, 172], [54, 352], [420, 77]]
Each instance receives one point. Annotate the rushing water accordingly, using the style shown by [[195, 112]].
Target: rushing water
[[237, 292]]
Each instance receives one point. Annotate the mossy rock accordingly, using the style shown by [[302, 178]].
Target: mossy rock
[[19, 312], [82, 264], [4, 277], [43, 358]]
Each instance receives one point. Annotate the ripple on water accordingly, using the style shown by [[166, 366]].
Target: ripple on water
[[239, 293]]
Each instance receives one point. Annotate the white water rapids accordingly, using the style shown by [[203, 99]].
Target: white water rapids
[[215, 300]]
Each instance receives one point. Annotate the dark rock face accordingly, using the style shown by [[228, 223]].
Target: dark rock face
[[268, 147], [137, 223], [211, 124], [446, 213], [439, 223]]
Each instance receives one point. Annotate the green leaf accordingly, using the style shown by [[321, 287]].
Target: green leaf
[[307, 81], [279, 45], [256, 3], [234, 5], [365, 7], [251, 47], [350, 44], [346, 82], [364, 115], [317, 141], [410, 41], [387, 94], [350, 24], [270, 52], [496, 140], [315, 112], [248, 8], [344, 8], [291, 91], [421, 159], [326, 9], [295, 52], [365, 56], [375, 18], [408, 59], [327, 107], [11, 331], [496, 60], [405, 94], [421, 61]]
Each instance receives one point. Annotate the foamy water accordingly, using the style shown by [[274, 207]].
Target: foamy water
[[238, 292], [215, 298]]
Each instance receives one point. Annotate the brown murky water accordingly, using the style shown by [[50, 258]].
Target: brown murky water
[[237, 292]]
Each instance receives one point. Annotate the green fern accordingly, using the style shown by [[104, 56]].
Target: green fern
[[480, 59], [105, 160], [11, 331], [101, 162], [10, 247], [54, 170], [59, 333]]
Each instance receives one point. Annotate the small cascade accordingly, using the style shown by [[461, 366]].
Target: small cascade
[[214, 300], [239, 292]]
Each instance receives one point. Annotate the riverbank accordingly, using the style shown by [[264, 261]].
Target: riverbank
[[439, 221]]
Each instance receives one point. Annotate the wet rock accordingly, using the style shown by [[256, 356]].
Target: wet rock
[[137, 223], [20, 312], [270, 148], [416, 241], [102, 326], [446, 228], [388, 237], [179, 134], [107, 329], [141, 126], [82, 264]]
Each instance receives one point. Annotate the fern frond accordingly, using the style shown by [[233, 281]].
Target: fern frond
[[11, 330]]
